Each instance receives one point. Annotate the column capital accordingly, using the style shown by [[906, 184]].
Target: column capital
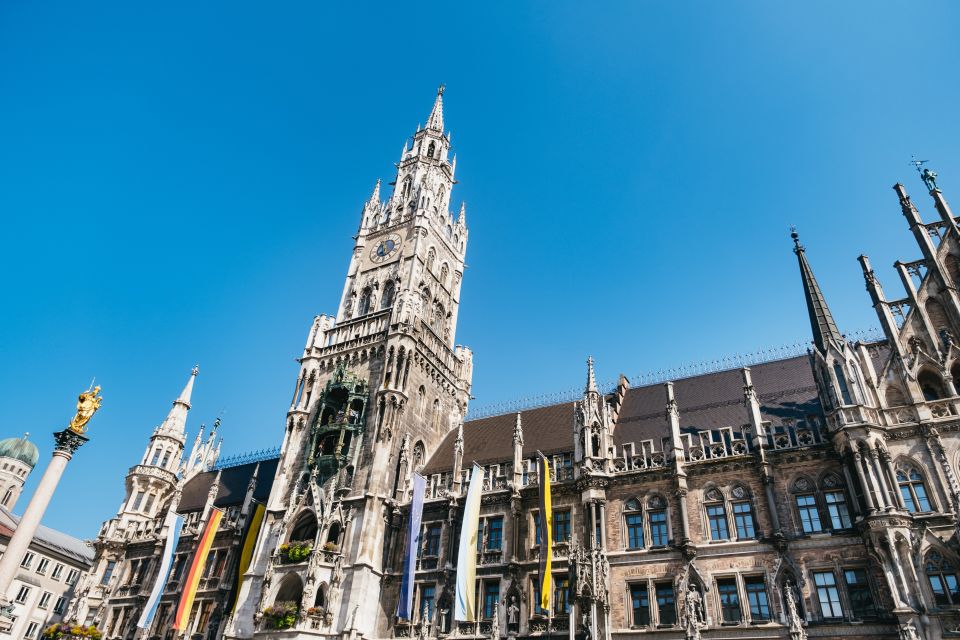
[[68, 441]]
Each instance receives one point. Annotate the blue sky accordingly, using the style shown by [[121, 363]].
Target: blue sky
[[179, 184]]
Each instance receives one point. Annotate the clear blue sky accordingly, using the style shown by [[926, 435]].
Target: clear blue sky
[[179, 184]]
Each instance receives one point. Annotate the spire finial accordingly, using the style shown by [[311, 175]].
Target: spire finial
[[518, 430], [375, 196], [591, 378], [435, 121], [821, 320]]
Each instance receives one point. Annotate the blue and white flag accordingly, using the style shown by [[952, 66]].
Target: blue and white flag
[[466, 598], [173, 524], [405, 607]]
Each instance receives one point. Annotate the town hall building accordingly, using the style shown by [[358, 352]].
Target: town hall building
[[813, 496]]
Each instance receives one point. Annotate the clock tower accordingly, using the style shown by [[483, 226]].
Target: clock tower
[[381, 382]]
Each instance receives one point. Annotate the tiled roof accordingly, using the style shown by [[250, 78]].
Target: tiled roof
[[233, 485], [786, 390]]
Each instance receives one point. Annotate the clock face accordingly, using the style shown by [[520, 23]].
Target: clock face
[[386, 248]]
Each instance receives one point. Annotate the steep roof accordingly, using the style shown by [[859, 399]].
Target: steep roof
[[786, 390], [53, 540], [233, 485]]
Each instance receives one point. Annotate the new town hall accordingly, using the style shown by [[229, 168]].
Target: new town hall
[[809, 497]]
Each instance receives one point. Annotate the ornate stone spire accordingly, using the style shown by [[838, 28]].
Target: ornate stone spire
[[591, 378], [435, 121], [462, 216], [821, 320], [375, 196], [176, 421]]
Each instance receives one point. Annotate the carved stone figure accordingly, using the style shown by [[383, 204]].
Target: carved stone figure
[[513, 615], [909, 631], [87, 404], [930, 179], [495, 623], [425, 621]]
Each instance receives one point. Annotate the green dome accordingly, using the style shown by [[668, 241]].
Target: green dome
[[20, 449]]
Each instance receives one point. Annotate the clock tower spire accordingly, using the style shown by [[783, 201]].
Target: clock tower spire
[[385, 369]]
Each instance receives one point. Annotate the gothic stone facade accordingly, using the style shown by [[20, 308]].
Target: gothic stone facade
[[814, 496]]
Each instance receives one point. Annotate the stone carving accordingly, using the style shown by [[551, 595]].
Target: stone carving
[[495, 623], [792, 612], [513, 615], [909, 631], [694, 617], [930, 179], [425, 621]]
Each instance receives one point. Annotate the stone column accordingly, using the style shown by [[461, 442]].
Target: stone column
[[867, 492], [67, 442]]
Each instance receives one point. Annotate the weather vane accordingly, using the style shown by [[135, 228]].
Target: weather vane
[[929, 177]]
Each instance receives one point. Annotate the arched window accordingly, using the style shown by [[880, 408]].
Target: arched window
[[895, 397], [808, 509], [835, 499], [943, 579], [421, 401], [743, 520], [320, 602], [365, 299], [405, 192], [912, 488], [419, 456], [444, 274], [305, 528], [931, 385], [633, 522], [7, 496], [431, 259], [291, 590], [333, 534], [716, 515], [431, 149], [657, 521], [436, 413], [389, 290]]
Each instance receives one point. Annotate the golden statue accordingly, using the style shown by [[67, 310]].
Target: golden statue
[[87, 405]]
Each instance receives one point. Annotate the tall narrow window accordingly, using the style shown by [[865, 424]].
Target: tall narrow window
[[427, 596], [743, 518], [633, 519], [828, 594], [561, 526], [729, 600], [861, 600], [809, 514], [494, 534], [108, 572], [757, 598], [491, 597], [842, 383], [913, 490], [659, 534], [156, 457], [640, 603], [837, 508], [561, 594], [666, 604], [431, 540], [717, 516]]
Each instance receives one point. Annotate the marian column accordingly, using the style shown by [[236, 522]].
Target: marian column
[[67, 442]]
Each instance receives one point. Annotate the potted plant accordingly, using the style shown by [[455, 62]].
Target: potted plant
[[282, 615], [296, 551], [316, 612], [331, 547]]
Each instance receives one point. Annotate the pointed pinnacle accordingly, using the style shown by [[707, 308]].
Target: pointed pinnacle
[[591, 379]]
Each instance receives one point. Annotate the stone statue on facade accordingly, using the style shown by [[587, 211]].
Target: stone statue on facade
[[87, 404], [425, 621], [513, 615], [495, 623], [693, 615], [909, 631]]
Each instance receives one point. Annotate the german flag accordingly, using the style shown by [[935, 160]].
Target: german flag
[[546, 533]]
